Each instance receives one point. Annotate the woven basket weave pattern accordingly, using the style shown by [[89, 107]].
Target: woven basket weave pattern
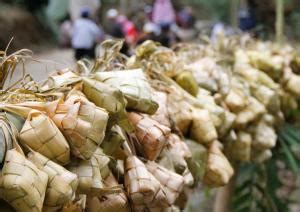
[[24, 185], [45, 137], [171, 182], [150, 134], [83, 124], [179, 110], [203, 129], [111, 202], [62, 183], [140, 185], [218, 169]]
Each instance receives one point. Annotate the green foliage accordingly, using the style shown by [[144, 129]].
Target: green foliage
[[256, 184], [295, 21], [289, 138], [218, 9], [31, 5], [252, 193]]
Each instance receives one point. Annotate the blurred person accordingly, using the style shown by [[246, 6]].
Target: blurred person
[[167, 35], [114, 28], [85, 34], [128, 29], [139, 18], [150, 32], [163, 12], [186, 21], [76, 5], [246, 17], [164, 15], [218, 31], [65, 31], [186, 18], [148, 9]]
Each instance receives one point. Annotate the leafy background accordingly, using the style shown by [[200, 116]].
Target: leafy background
[[274, 185]]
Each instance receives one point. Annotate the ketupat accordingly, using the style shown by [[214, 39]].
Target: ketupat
[[217, 113], [250, 113], [60, 79], [197, 163], [245, 98], [135, 87], [264, 135], [171, 182], [174, 154], [141, 186], [41, 134], [179, 110], [23, 184], [109, 203], [82, 123], [113, 140], [236, 100], [152, 136], [109, 98], [8, 135], [264, 61], [203, 129], [62, 184], [186, 80], [92, 174], [161, 115], [218, 169], [238, 145]]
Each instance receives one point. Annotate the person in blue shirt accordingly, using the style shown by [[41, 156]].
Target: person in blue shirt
[[247, 17], [85, 34]]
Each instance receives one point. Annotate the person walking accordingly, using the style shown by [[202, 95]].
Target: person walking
[[163, 12], [85, 34], [114, 28]]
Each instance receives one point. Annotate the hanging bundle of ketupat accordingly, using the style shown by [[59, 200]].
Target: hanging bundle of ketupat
[[130, 134]]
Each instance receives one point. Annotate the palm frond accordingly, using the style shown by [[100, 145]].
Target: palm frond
[[257, 184]]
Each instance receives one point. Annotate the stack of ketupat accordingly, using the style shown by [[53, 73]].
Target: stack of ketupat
[[122, 135], [240, 88]]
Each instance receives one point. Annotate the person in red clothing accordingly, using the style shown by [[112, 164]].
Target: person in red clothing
[[128, 28]]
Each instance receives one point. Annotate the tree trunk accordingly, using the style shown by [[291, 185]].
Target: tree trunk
[[123, 6], [279, 21], [223, 197], [234, 10]]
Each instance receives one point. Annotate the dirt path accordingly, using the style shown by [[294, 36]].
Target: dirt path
[[44, 63]]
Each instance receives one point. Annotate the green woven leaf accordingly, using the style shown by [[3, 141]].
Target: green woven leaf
[[109, 98], [2, 146], [113, 140], [289, 155], [134, 86], [18, 121]]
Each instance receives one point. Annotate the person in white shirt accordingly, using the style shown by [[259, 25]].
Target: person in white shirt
[[85, 34]]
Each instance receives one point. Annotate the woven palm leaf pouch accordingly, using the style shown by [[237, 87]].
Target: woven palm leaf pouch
[[82, 123], [109, 203], [40, 134], [23, 184], [179, 110], [171, 182], [218, 169], [62, 183], [152, 136], [92, 173], [109, 98], [161, 115], [7, 135], [134, 85], [142, 187]]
